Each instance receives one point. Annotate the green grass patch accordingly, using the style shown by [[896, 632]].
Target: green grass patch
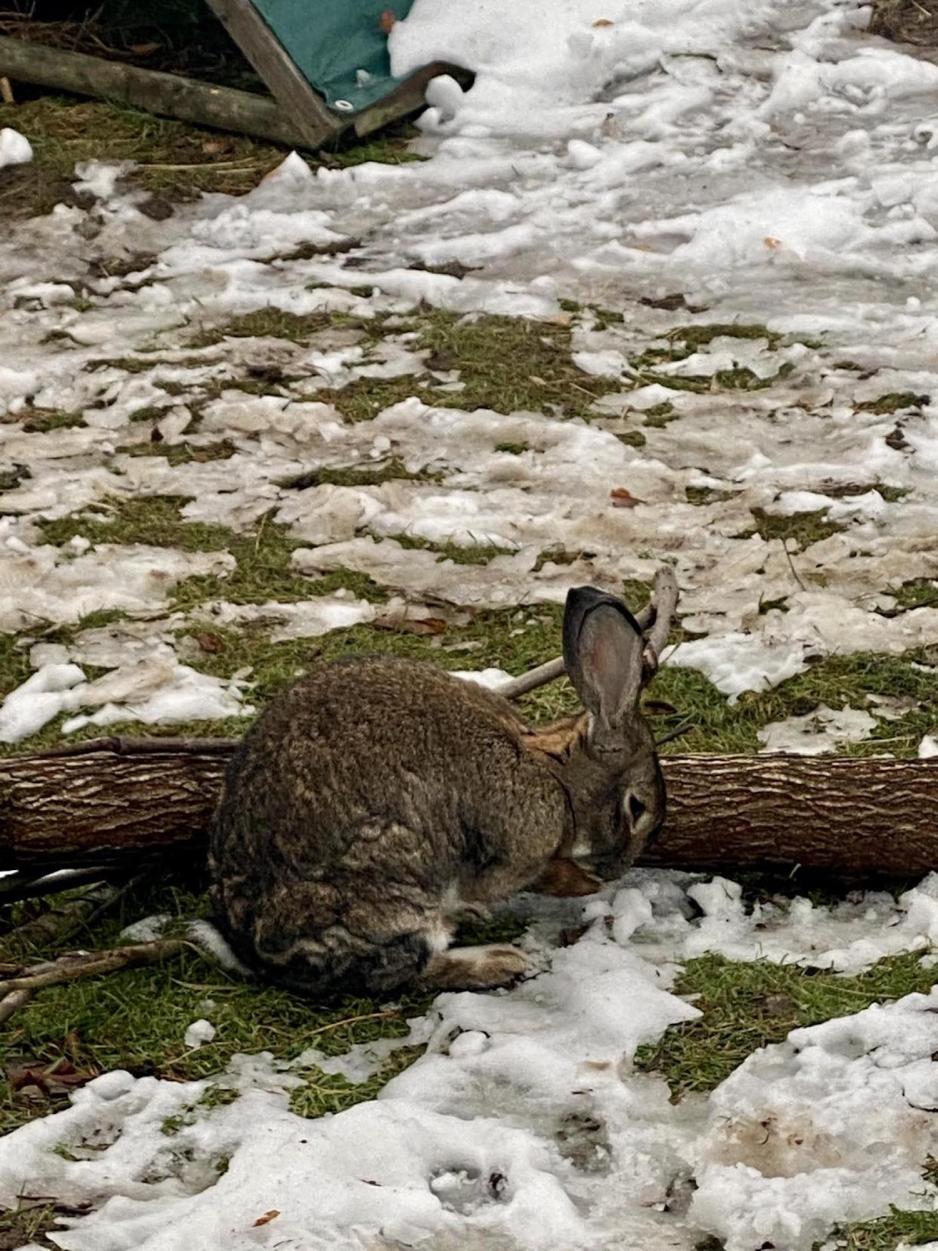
[[266, 323], [894, 401], [513, 449], [749, 1005], [837, 681], [393, 470], [694, 337], [175, 161], [801, 528], [660, 415], [706, 495], [137, 1020], [909, 1229], [42, 420], [917, 593], [182, 453]]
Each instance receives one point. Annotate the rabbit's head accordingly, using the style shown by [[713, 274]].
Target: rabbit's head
[[606, 758]]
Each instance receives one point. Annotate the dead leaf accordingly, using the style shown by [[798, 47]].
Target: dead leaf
[[573, 935], [57, 1078], [209, 642], [603, 21], [144, 49], [621, 498], [387, 20], [266, 1218], [772, 243], [216, 147], [411, 625]]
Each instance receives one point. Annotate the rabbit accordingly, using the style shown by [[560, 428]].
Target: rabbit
[[379, 799]]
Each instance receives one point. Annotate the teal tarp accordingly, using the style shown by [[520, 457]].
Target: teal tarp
[[338, 46]]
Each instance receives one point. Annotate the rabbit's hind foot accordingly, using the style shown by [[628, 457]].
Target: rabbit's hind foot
[[475, 968]]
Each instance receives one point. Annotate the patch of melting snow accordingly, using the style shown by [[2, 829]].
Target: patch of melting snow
[[825, 729], [525, 1124]]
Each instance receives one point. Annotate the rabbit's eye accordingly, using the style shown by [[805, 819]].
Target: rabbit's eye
[[636, 808]]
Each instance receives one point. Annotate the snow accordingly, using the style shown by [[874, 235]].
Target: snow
[[683, 165], [15, 149], [199, 1032], [525, 1124]]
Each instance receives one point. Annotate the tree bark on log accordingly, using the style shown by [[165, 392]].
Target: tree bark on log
[[118, 801], [170, 95]]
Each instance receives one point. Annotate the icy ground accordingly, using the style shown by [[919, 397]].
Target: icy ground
[[682, 165], [524, 1124]]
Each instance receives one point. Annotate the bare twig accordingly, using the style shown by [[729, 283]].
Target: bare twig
[[664, 599], [13, 1002], [530, 681], [6, 91], [791, 565], [70, 967]]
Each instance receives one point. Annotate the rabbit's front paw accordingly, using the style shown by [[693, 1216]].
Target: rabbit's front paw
[[476, 968]]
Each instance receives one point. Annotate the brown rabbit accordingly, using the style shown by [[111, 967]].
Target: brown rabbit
[[378, 799]]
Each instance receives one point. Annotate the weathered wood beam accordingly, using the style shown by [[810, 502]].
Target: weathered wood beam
[[111, 801], [297, 99], [170, 95]]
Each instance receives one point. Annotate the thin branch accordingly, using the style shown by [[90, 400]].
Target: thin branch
[[530, 681], [664, 597], [791, 565], [69, 968]]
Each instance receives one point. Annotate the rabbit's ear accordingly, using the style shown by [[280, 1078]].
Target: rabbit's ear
[[602, 652]]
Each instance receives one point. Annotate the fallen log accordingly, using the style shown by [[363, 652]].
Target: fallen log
[[169, 95], [119, 801]]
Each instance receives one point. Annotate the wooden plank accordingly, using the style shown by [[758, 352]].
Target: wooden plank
[[409, 97], [169, 95], [300, 103]]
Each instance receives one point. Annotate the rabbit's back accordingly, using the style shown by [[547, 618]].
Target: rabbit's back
[[363, 796]]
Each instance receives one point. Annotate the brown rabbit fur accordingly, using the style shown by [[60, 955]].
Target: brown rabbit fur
[[379, 799]]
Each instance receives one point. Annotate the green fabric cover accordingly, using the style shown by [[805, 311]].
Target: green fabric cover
[[329, 41]]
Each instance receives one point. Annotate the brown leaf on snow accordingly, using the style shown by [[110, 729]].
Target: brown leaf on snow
[[266, 1218], [387, 20], [603, 21], [772, 243], [621, 498]]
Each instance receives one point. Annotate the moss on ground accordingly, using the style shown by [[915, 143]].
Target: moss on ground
[[747, 1006], [801, 528], [917, 593], [175, 161], [894, 402]]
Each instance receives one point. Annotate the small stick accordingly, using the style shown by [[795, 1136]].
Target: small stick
[[791, 565], [70, 967], [664, 598], [13, 1002], [6, 91], [530, 681]]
